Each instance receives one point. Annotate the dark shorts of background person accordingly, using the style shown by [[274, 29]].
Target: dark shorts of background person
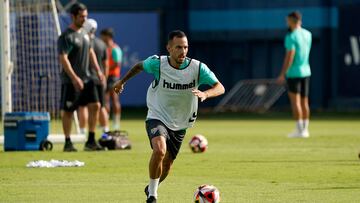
[[299, 86], [101, 94], [174, 139], [72, 99], [111, 82]]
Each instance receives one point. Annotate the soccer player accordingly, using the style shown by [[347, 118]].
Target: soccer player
[[172, 101], [77, 88], [296, 70], [114, 61], [99, 47]]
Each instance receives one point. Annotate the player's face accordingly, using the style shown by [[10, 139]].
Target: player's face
[[80, 18], [178, 49]]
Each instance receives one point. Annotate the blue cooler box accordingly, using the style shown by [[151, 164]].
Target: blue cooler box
[[25, 130]]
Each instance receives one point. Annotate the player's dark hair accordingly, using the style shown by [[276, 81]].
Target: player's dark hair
[[295, 16], [76, 8], [176, 33], [107, 32]]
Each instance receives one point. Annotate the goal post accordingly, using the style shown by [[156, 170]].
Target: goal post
[[5, 57], [256, 95], [30, 67]]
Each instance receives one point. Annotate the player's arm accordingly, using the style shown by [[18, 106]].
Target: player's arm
[[77, 82], [208, 77], [216, 90], [288, 60], [119, 85], [150, 65], [95, 65]]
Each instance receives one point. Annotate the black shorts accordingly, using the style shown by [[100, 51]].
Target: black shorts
[[111, 82], [299, 86], [174, 139], [71, 99], [101, 93]]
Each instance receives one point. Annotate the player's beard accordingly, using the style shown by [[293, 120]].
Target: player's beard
[[79, 24], [180, 61]]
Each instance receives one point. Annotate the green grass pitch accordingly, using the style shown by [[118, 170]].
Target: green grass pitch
[[249, 160]]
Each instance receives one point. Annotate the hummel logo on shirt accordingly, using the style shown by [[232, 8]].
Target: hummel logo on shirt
[[177, 86]]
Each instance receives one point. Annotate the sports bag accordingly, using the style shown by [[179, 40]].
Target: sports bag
[[113, 140]]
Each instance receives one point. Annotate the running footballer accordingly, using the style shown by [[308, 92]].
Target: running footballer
[[172, 101]]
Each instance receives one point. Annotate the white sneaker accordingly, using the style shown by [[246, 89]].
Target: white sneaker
[[305, 134], [297, 134]]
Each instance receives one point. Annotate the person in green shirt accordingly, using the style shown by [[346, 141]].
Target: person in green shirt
[[296, 71]]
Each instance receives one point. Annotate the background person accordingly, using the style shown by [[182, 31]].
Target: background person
[[77, 88], [296, 70], [114, 54], [99, 47]]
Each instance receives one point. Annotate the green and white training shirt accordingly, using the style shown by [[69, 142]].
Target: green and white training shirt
[[169, 97]]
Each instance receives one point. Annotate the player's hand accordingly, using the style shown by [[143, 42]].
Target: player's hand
[[101, 76], [78, 84], [280, 80], [202, 95], [118, 87]]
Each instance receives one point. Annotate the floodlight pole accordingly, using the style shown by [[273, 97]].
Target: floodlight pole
[[6, 65]]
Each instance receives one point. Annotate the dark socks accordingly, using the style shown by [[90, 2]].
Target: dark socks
[[91, 137], [67, 140]]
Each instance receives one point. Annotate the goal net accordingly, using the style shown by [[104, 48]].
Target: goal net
[[256, 95], [35, 76], [36, 69]]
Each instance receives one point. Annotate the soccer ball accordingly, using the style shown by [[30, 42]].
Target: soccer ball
[[207, 194], [198, 144]]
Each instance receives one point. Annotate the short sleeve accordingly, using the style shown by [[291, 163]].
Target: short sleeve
[[289, 43], [207, 77], [152, 65], [64, 46], [116, 54]]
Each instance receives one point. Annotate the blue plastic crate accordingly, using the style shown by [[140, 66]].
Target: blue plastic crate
[[25, 130]]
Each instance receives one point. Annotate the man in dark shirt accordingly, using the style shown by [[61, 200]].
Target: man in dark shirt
[[99, 47], [75, 53]]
